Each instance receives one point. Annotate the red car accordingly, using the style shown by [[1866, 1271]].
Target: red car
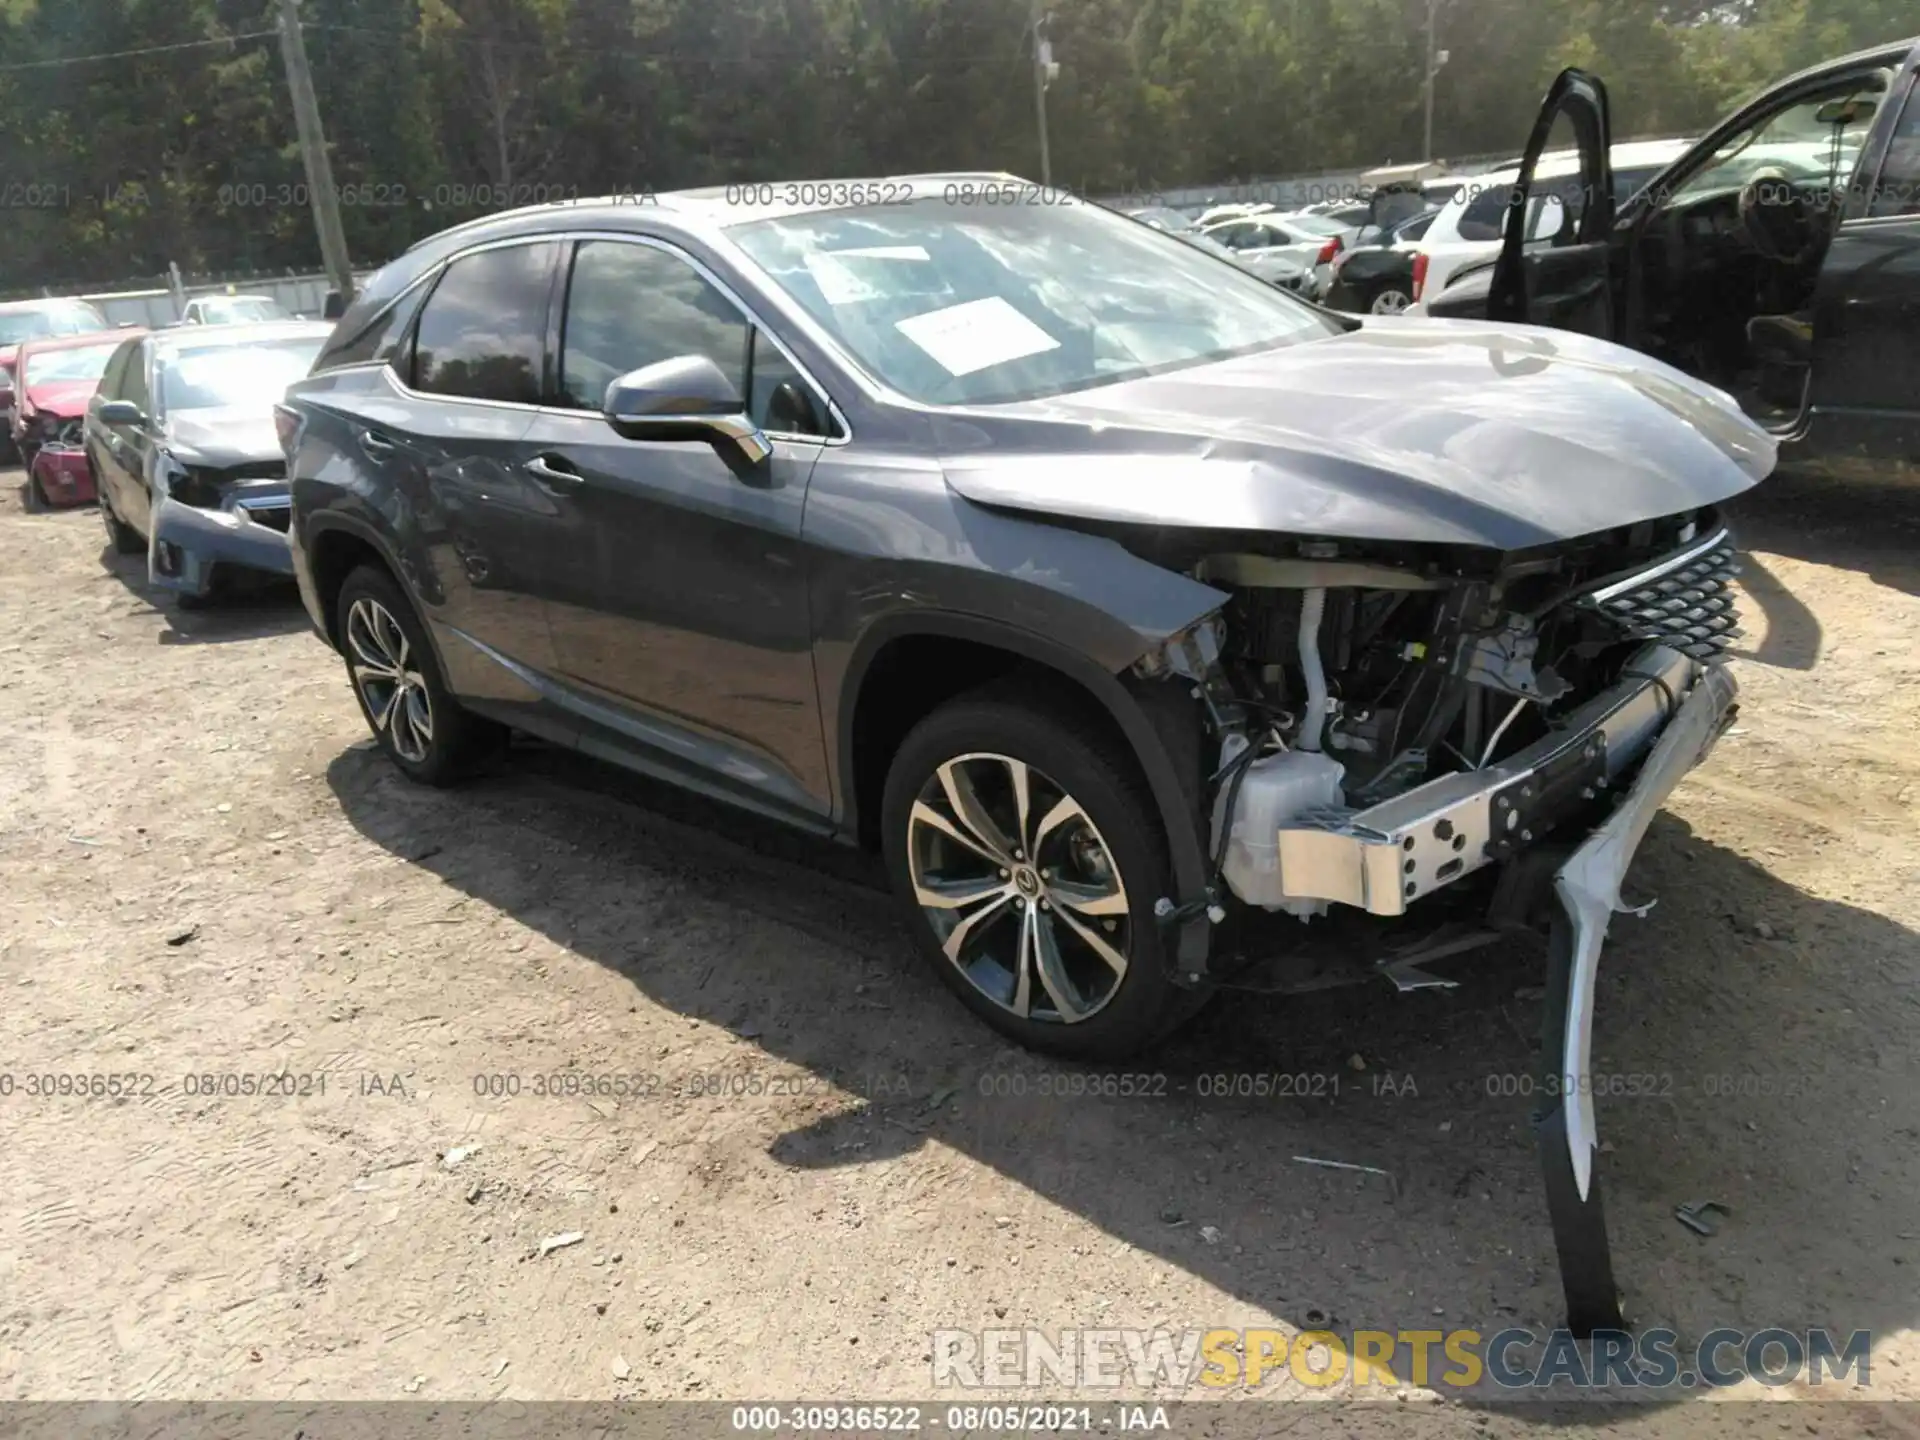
[[53, 382], [23, 320], [60, 476]]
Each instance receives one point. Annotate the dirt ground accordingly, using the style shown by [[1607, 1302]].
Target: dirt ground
[[205, 871]]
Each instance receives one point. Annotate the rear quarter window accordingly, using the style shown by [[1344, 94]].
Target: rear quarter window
[[378, 339]]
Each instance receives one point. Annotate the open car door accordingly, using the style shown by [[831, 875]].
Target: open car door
[[1862, 416], [1567, 282]]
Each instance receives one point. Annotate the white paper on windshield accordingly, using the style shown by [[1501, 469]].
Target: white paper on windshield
[[843, 284], [885, 252], [974, 336], [837, 281]]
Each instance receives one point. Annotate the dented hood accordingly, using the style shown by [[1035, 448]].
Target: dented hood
[[64, 398], [1406, 429], [224, 437]]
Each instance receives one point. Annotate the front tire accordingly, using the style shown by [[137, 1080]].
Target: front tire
[[125, 539], [1028, 860], [396, 678]]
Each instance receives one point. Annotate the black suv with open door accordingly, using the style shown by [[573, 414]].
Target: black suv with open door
[[1778, 259]]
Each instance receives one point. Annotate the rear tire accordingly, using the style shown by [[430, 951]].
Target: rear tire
[[1390, 301], [1002, 933], [396, 678], [36, 497]]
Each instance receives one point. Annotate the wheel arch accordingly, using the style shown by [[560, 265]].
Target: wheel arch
[[335, 546], [904, 667]]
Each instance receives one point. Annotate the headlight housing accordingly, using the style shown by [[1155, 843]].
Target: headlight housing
[[189, 484]]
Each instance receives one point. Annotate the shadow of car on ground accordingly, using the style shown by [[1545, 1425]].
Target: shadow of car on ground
[[252, 609], [1762, 1068]]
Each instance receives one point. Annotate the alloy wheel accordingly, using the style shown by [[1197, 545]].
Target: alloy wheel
[[1391, 302], [1022, 891], [391, 687]]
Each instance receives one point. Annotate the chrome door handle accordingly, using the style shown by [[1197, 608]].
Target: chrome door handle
[[375, 443], [542, 468]]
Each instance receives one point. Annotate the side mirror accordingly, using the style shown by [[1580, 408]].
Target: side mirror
[[685, 398], [121, 412]]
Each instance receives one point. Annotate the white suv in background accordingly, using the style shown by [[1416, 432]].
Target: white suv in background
[[1469, 227]]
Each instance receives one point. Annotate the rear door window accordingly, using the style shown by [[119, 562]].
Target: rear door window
[[482, 335]]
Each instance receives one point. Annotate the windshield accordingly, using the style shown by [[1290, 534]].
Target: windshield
[[1817, 138], [214, 377], [33, 324], [86, 362], [241, 311], [957, 305]]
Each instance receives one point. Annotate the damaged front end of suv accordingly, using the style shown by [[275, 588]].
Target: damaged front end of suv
[[1387, 722], [1460, 598]]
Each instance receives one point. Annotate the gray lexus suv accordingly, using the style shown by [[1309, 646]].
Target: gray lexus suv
[[1140, 614]]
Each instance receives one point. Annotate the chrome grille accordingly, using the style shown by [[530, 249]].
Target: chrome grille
[[1686, 601]]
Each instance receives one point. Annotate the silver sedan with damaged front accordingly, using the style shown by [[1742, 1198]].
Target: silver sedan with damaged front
[[187, 461]]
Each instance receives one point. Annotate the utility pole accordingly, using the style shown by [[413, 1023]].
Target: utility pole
[[313, 150], [1043, 68], [1435, 59]]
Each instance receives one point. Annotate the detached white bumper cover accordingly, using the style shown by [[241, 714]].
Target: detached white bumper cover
[[1588, 886]]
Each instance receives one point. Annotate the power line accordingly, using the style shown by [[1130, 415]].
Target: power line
[[635, 52], [65, 60]]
